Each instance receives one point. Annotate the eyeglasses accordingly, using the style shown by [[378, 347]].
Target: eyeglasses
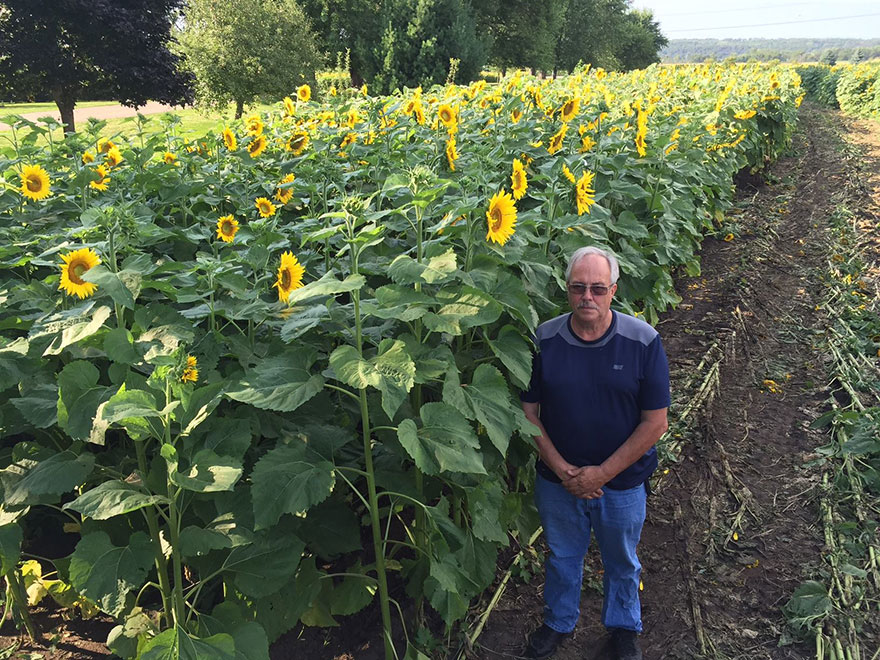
[[598, 290]]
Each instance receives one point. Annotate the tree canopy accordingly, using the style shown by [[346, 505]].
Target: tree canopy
[[62, 48], [243, 49]]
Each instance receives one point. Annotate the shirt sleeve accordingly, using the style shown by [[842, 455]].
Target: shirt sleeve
[[654, 388], [533, 394]]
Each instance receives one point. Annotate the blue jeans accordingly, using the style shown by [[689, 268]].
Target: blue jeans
[[616, 518]]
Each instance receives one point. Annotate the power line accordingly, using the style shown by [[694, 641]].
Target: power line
[[738, 9], [808, 20]]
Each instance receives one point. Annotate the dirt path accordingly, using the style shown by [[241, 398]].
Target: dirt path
[[733, 527], [102, 112]]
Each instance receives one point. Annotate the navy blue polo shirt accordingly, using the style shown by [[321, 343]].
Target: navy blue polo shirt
[[592, 393]]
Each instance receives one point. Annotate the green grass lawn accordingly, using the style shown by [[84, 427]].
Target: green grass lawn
[[193, 122], [7, 109]]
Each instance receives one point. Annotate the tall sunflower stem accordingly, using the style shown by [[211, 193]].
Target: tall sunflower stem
[[375, 523]]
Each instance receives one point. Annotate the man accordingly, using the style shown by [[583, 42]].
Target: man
[[599, 394]]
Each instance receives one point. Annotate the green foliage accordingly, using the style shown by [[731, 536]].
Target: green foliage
[[820, 83], [858, 90], [224, 436], [239, 51]]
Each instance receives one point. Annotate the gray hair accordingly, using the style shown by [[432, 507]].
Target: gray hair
[[580, 253]]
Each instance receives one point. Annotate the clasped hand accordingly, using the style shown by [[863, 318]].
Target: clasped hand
[[584, 482]]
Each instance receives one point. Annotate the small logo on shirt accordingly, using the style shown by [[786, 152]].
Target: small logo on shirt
[[618, 367]]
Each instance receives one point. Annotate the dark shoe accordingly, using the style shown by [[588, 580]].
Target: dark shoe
[[543, 642], [625, 644]]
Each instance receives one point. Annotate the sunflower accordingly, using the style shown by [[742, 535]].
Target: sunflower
[[113, 157], [352, 118], [569, 109], [556, 141], [265, 207], [290, 275], [75, 264], [289, 106], [88, 157], [501, 217], [350, 138], [229, 139], [298, 142], [257, 146], [451, 152], [516, 114], [518, 180], [587, 143], [304, 93], [169, 158], [419, 113], [227, 228], [641, 131], [35, 182], [104, 146], [254, 125], [101, 184], [283, 195], [447, 117], [190, 371], [586, 196], [567, 173]]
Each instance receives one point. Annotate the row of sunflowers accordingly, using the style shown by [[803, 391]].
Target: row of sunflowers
[[251, 378]]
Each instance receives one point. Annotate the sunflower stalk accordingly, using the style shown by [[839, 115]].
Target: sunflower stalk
[[19, 599], [375, 523]]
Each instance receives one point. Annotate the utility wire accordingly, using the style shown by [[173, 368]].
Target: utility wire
[[807, 20], [738, 9]]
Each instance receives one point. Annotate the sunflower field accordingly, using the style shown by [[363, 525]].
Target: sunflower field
[[269, 376]]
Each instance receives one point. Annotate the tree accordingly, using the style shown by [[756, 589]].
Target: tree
[[525, 33], [640, 41], [242, 49], [590, 31], [59, 49], [394, 43]]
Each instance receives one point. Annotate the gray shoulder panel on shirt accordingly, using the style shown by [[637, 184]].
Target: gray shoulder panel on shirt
[[552, 327], [635, 329]]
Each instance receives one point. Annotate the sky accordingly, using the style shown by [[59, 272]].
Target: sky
[[774, 19]]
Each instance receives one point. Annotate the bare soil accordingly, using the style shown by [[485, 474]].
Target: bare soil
[[733, 526]]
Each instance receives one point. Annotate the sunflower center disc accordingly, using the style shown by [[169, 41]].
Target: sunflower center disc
[[285, 279], [76, 269], [34, 184], [496, 220]]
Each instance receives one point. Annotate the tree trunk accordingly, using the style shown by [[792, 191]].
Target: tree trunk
[[555, 71], [239, 108], [65, 99]]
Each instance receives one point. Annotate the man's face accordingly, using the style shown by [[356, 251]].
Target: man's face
[[588, 307]]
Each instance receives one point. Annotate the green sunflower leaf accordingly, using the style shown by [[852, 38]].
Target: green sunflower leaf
[[444, 443], [281, 383], [112, 498]]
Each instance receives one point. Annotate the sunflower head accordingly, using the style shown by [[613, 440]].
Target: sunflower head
[[289, 106], [190, 371], [227, 228], [284, 195], [516, 114], [257, 145], [290, 275], [569, 109], [304, 93], [229, 139], [34, 182], [254, 125], [75, 264], [88, 157], [265, 207], [298, 142], [518, 180], [584, 192], [555, 143], [113, 157], [451, 152], [101, 183], [446, 115], [501, 218], [104, 146], [169, 158]]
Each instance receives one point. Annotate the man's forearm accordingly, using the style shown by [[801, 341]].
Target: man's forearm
[[645, 436], [546, 450]]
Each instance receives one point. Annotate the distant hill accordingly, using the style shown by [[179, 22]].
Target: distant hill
[[786, 50]]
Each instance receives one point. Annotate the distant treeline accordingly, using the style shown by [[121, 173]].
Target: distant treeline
[[785, 50]]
